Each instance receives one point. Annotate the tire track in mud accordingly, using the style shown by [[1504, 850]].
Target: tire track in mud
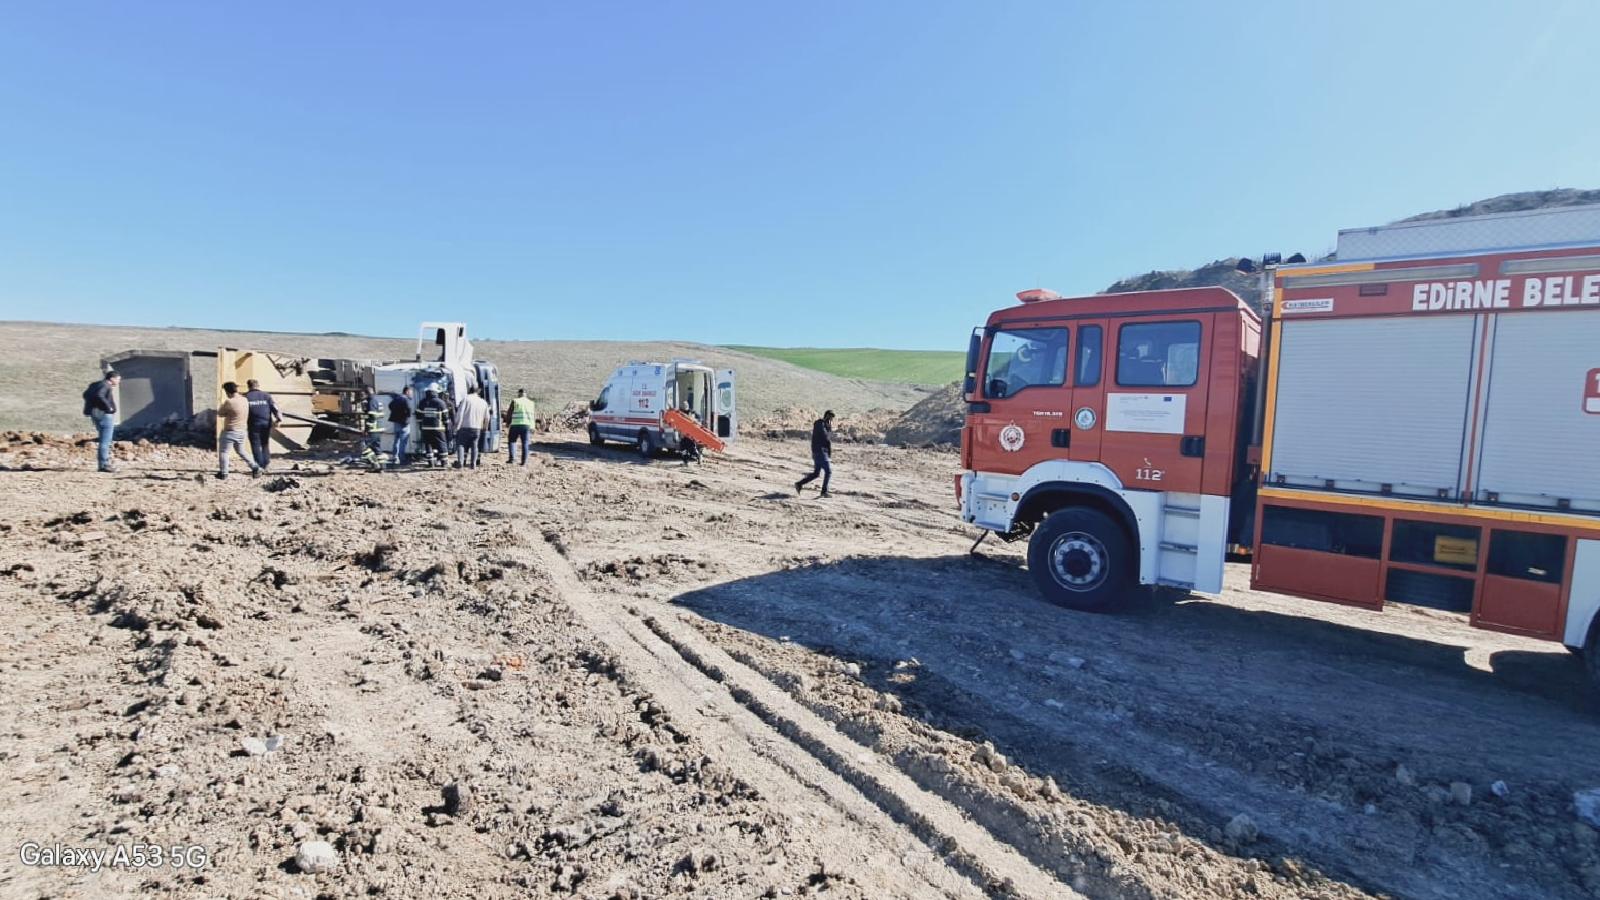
[[800, 760]]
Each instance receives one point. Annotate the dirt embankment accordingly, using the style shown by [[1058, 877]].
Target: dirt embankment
[[791, 423], [604, 677], [933, 421]]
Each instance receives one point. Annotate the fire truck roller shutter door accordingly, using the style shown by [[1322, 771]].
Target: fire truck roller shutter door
[[1365, 402], [1539, 443]]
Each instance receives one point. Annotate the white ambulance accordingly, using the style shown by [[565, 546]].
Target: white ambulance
[[635, 398]]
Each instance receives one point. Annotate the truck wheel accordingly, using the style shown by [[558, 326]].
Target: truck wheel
[[647, 444], [1081, 559], [594, 435]]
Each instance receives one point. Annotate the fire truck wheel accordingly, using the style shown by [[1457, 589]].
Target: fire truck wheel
[[594, 435], [1080, 559], [647, 444]]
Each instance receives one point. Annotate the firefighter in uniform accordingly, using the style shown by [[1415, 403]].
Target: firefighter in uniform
[[372, 445], [433, 420]]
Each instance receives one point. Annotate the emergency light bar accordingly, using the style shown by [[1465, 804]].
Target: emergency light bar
[[1037, 294]]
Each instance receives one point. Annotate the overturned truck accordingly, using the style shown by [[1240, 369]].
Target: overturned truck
[[169, 391]]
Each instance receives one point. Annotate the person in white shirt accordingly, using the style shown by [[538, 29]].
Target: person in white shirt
[[472, 419]]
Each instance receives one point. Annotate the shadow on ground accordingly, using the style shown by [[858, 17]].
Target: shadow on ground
[[1181, 707]]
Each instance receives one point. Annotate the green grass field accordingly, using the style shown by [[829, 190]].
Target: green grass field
[[903, 366]]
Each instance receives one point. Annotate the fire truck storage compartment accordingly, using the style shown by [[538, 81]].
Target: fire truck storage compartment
[[1373, 405], [1320, 553], [1540, 445]]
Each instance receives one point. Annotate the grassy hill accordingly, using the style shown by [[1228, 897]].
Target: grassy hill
[[931, 367]]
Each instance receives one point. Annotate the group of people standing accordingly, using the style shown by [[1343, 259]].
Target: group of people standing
[[248, 419], [438, 422]]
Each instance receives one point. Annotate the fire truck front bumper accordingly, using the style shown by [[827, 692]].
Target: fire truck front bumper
[[987, 500]]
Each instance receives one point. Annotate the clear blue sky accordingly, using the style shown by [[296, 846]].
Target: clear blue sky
[[827, 174]]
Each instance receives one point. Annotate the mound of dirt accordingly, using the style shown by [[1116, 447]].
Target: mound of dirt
[[25, 450], [572, 417], [794, 423], [933, 421]]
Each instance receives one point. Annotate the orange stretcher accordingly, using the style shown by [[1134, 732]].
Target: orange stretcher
[[686, 425]]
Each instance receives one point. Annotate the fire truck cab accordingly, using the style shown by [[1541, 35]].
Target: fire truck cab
[[1106, 429]]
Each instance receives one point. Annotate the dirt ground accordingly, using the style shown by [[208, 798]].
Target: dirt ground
[[601, 677]]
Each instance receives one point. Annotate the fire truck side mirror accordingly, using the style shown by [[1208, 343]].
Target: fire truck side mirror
[[974, 347]]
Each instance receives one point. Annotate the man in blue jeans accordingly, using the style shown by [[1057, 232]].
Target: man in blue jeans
[[821, 449], [400, 424], [100, 405], [263, 416]]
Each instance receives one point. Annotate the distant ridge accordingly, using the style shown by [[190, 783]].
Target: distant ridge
[[1221, 273]]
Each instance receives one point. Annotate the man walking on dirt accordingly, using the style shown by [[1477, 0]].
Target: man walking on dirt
[[472, 419], [520, 417], [100, 405], [433, 421], [263, 416], [821, 449], [400, 421], [233, 414]]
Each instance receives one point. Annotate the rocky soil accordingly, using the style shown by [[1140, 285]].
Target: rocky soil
[[601, 677]]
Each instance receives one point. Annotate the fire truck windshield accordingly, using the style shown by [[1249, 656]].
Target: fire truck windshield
[[1024, 358]]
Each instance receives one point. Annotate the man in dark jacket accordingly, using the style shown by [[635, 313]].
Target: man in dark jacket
[[263, 416], [400, 423], [100, 405], [821, 449]]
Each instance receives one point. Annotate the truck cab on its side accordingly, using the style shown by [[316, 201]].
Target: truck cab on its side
[[1110, 431]]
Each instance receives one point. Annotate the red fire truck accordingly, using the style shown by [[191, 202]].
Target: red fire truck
[[1417, 422]]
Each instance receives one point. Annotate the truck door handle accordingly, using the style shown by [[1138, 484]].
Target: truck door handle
[[1061, 437], [1192, 445]]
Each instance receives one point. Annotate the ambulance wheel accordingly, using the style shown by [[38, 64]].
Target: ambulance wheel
[[647, 444], [1081, 559], [594, 435]]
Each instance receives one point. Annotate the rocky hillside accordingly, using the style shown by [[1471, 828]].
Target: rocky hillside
[[1522, 200], [1221, 273]]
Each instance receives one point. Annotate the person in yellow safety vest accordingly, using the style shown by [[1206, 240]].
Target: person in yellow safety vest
[[433, 420], [519, 415]]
